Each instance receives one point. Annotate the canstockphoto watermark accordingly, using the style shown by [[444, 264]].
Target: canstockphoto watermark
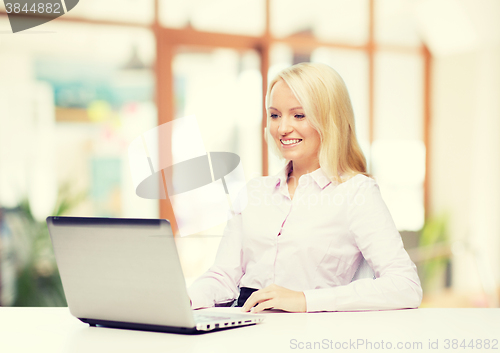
[[354, 344], [26, 14], [363, 343]]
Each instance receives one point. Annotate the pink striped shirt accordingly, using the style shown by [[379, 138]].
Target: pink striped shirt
[[313, 243]]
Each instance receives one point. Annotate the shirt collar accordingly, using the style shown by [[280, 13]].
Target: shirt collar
[[319, 176]]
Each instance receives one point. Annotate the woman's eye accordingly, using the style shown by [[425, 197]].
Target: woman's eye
[[274, 116], [300, 116]]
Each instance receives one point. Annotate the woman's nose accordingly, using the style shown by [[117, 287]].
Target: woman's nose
[[285, 127]]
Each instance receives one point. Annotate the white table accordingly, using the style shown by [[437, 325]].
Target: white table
[[37, 330]]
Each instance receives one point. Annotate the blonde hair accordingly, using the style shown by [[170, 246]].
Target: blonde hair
[[324, 97]]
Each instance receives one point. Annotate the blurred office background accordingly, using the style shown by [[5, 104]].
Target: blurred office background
[[424, 79]]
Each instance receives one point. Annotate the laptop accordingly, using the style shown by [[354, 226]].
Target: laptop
[[126, 273]]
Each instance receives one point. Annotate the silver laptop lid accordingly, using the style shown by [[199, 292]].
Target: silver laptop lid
[[121, 270]]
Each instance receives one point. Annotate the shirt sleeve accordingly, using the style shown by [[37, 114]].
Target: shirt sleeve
[[396, 285], [220, 283]]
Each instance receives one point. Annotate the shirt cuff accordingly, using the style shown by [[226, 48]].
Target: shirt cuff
[[198, 301], [319, 300]]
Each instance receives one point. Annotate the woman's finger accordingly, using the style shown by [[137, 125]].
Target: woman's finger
[[268, 304], [255, 298]]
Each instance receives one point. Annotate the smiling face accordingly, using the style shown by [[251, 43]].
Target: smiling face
[[296, 139]]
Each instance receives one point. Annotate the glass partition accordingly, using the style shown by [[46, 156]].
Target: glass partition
[[224, 16], [133, 11], [395, 23], [339, 21], [398, 151]]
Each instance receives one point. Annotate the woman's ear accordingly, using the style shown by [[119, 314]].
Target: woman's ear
[[265, 135]]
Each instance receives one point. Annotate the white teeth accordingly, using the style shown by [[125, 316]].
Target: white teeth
[[290, 142]]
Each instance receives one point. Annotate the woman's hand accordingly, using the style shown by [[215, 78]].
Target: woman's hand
[[276, 297]]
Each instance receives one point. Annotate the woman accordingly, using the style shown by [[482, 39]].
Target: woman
[[300, 239]]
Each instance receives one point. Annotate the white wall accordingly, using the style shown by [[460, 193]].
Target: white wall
[[465, 149]]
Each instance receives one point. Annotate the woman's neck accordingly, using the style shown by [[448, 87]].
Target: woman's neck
[[297, 170]]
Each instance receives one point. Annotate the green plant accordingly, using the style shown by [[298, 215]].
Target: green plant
[[434, 240], [38, 280]]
